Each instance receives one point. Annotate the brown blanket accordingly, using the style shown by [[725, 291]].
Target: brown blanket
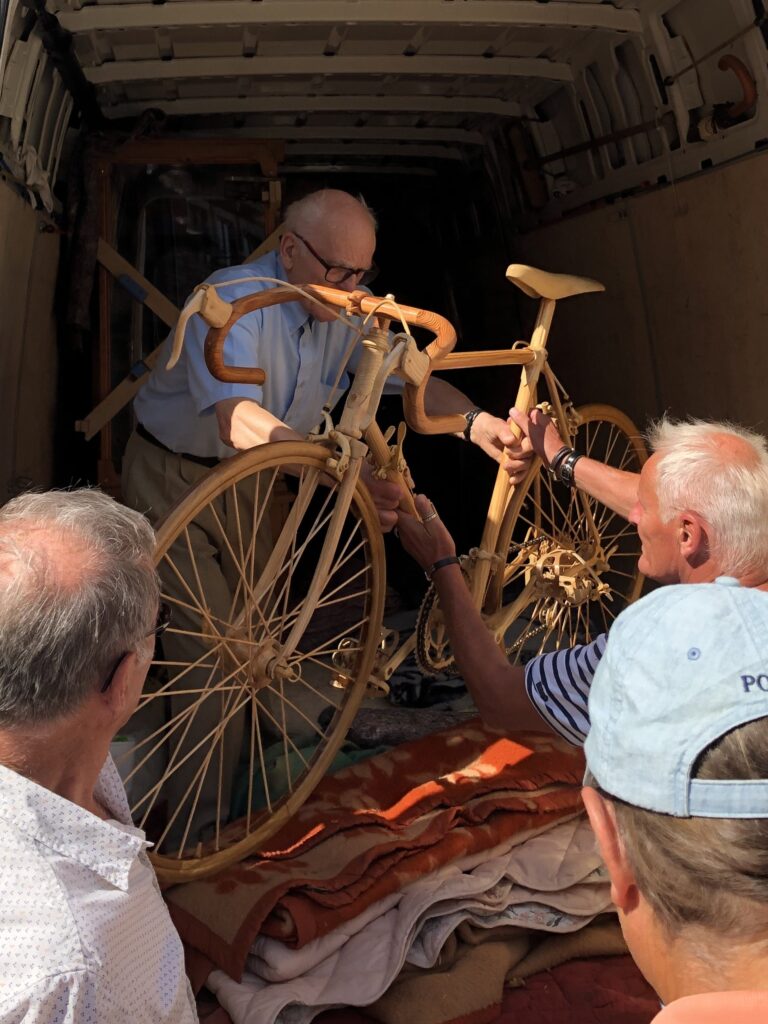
[[372, 829]]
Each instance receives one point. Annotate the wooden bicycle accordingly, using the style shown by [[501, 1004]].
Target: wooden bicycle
[[299, 639]]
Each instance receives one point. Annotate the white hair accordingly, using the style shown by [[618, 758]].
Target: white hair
[[319, 205], [699, 470]]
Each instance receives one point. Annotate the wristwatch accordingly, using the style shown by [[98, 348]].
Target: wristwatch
[[440, 564]]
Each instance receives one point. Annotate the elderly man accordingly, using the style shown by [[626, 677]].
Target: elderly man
[[677, 794], [187, 420], [700, 505], [84, 933]]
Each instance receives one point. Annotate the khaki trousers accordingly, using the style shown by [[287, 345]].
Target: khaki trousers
[[199, 572]]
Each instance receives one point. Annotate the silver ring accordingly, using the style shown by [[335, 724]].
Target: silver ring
[[432, 515]]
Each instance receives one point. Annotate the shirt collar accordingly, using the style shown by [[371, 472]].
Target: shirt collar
[[294, 313], [70, 830]]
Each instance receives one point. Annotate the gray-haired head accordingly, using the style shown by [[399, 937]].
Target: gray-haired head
[[720, 471], [77, 589], [326, 204]]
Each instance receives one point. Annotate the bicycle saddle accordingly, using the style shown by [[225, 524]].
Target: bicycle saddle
[[541, 285]]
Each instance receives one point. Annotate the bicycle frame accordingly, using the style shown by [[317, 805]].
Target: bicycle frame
[[357, 432]]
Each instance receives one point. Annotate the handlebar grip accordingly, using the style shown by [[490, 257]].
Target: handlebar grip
[[358, 302], [214, 340]]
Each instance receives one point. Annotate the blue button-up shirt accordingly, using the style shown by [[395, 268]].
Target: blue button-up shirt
[[301, 358]]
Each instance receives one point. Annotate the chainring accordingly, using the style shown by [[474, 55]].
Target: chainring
[[433, 649]]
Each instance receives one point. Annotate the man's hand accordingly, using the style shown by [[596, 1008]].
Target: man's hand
[[539, 432], [426, 542], [386, 497], [496, 439]]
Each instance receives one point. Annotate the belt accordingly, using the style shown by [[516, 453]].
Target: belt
[[201, 460]]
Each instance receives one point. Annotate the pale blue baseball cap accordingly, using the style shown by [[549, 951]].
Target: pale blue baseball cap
[[682, 667]]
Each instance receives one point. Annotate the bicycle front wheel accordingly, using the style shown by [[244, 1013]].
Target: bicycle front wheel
[[570, 562], [274, 571]]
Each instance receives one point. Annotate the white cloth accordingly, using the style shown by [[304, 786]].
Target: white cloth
[[561, 865], [85, 937]]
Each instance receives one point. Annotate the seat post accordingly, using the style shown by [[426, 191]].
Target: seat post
[[503, 489], [530, 376]]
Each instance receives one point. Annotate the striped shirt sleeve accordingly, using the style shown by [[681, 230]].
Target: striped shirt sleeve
[[558, 687]]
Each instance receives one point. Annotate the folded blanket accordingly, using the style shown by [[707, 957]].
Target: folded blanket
[[560, 871], [374, 828], [473, 892]]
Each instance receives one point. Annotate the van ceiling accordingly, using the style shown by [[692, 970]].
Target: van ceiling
[[410, 82]]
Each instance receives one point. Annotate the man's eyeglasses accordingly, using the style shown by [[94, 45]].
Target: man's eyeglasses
[[162, 623], [338, 275]]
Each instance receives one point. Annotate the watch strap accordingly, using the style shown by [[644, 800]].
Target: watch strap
[[441, 564], [470, 417]]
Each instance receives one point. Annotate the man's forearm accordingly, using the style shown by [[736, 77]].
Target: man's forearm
[[497, 688], [244, 424], [442, 398], [613, 487]]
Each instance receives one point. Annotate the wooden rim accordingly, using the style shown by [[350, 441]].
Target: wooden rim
[[257, 659]]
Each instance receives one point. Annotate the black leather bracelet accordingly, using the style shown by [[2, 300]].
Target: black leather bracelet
[[567, 467], [441, 564], [470, 417], [557, 458]]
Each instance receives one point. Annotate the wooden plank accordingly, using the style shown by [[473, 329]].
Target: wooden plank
[[144, 291], [267, 153], [161, 306]]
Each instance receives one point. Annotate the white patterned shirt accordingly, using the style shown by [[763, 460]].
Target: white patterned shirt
[[85, 937]]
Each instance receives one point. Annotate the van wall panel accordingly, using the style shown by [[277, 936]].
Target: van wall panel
[[704, 249], [684, 325], [28, 264], [36, 409], [599, 345]]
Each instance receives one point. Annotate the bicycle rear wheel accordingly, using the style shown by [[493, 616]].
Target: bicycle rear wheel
[[276, 619], [571, 562]]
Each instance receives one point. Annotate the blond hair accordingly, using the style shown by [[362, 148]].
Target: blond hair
[[706, 872]]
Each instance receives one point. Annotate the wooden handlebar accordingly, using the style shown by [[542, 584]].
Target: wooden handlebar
[[354, 303]]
